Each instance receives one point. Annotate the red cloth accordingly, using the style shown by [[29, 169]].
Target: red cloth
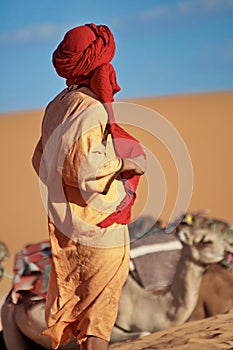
[[83, 57]]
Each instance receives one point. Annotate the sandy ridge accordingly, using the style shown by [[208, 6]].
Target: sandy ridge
[[213, 333]]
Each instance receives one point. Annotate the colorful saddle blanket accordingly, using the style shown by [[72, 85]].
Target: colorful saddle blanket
[[31, 271]]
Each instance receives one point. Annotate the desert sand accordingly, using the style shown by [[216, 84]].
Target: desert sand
[[213, 333], [204, 122]]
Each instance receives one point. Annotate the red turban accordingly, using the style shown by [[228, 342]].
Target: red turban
[[83, 58]]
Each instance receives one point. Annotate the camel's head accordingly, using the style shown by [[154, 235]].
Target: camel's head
[[228, 239], [197, 221], [4, 252], [203, 245]]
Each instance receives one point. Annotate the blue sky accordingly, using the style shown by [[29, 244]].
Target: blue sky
[[163, 47]]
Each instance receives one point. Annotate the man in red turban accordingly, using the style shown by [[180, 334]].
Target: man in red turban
[[90, 167]]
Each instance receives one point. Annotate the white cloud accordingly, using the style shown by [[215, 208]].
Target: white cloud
[[33, 33], [158, 15], [155, 13], [185, 8], [216, 5]]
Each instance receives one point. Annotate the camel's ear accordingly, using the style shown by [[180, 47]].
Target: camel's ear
[[185, 236], [228, 239]]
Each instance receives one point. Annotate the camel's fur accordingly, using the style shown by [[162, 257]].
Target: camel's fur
[[216, 293], [4, 252], [140, 310]]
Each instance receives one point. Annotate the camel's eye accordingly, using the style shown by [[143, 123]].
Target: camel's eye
[[205, 240]]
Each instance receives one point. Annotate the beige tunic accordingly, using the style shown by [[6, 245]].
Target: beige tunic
[[79, 189]]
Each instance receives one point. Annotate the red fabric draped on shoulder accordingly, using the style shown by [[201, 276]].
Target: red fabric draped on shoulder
[[83, 57]]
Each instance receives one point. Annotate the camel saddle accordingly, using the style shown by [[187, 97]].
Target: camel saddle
[[153, 260], [31, 272]]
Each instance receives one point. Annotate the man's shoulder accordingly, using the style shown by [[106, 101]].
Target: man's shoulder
[[78, 105]]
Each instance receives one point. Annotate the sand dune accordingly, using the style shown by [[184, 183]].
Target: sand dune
[[214, 333], [203, 120]]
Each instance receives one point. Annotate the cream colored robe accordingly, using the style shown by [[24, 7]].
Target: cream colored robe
[[79, 189]]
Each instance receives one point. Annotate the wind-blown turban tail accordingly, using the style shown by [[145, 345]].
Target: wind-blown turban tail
[[83, 58]]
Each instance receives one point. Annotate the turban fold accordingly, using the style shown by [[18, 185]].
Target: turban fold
[[83, 58]]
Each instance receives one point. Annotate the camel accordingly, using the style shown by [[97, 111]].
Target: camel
[[218, 278], [4, 252], [216, 293], [200, 247], [4, 255]]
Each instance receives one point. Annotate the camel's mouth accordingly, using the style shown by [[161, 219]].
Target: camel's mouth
[[217, 259]]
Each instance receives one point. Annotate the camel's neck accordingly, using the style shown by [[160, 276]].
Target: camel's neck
[[166, 309], [185, 288]]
